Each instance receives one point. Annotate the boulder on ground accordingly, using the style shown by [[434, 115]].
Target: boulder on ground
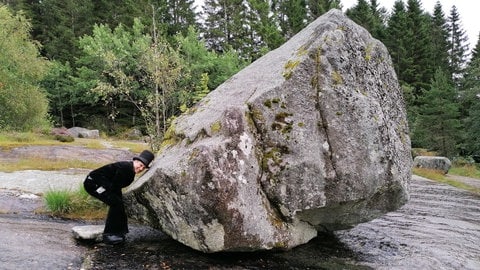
[[311, 137], [80, 132], [442, 164]]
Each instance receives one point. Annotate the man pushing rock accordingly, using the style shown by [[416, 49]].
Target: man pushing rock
[[106, 183]]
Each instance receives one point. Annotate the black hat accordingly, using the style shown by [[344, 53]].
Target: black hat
[[145, 157]]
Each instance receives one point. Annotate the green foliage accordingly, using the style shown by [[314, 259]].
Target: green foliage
[[470, 99], [437, 124], [59, 23], [76, 203], [457, 44], [58, 201], [64, 138], [370, 16], [198, 61], [21, 69], [60, 90], [111, 64]]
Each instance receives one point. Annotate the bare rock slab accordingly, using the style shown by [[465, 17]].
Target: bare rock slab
[[311, 137], [88, 232]]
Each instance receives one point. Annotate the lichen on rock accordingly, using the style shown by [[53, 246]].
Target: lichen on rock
[[310, 137]]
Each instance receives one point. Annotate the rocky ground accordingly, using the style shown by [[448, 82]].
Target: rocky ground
[[439, 228]]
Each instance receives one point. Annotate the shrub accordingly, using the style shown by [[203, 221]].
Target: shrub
[[64, 138]]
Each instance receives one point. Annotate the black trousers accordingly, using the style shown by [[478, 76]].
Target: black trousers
[[117, 221]]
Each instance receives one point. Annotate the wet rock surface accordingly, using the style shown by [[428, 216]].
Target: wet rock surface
[[439, 228]]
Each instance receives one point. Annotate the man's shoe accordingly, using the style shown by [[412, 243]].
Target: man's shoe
[[113, 239]]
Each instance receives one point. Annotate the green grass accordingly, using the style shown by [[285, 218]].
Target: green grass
[[58, 201], [441, 178], [10, 140], [33, 163], [74, 204], [63, 203], [468, 170]]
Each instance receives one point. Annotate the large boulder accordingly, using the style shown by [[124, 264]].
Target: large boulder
[[311, 137], [442, 164]]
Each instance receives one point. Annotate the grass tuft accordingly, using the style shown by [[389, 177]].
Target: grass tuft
[[58, 201], [74, 204]]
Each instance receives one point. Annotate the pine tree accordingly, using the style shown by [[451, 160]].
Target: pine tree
[[317, 8], [470, 98], [398, 36], [439, 32], [418, 49], [224, 24], [438, 127], [476, 50], [265, 35], [292, 16], [175, 16], [59, 23], [370, 16], [458, 46]]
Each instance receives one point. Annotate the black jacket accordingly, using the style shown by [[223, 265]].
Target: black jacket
[[114, 176]]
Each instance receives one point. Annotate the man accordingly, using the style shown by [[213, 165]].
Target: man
[[106, 183]]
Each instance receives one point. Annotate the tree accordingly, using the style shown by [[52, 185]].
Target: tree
[[23, 104], [437, 125], [470, 100], [418, 49], [458, 47], [397, 40], [175, 16], [439, 33], [292, 15], [60, 90], [135, 68], [162, 67], [204, 68], [317, 8], [109, 70], [370, 16], [265, 34], [59, 23], [224, 26]]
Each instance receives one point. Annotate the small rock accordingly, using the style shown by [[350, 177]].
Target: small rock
[[28, 196], [88, 232]]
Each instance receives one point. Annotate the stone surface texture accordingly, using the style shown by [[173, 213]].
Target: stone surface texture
[[311, 137], [88, 232], [442, 164]]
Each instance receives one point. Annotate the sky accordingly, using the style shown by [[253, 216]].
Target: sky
[[465, 8]]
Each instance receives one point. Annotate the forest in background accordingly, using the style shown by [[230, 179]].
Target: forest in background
[[122, 65]]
